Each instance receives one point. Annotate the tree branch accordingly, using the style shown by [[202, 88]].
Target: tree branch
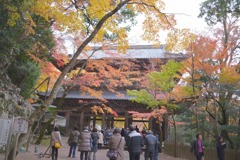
[[80, 49], [154, 7]]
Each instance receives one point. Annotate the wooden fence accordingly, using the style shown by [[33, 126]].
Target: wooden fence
[[183, 151]]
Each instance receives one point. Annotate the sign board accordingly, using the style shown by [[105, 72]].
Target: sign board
[[5, 125], [20, 125]]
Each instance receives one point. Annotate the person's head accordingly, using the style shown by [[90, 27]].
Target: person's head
[[132, 128], [116, 130], [75, 128], [150, 132], [144, 131], [199, 136], [85, 128], [220, 139], [94, 130], [56, 128]]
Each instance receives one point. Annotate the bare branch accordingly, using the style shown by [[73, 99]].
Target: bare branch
[[155, 8]]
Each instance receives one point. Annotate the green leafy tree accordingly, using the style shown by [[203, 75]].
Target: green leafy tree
[[216, 11], [24, 73], [225, 13], [158, 91], [158, 83]]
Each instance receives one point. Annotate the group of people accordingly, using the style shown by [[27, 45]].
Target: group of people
[[89, 142], [86, 141], [197, 147]]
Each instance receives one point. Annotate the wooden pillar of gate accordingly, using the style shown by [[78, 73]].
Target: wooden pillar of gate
[[103, 121], [68, 128], [94, 121], [81, 123], [111, 122], [150, 124], [126, 125]]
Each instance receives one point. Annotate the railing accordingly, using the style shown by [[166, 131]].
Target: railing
[[183, 151]]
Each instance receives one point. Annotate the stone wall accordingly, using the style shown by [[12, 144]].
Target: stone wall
[[11, 103]]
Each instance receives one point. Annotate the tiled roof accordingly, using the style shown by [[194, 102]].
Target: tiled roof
[[137, 51], [75, 94]]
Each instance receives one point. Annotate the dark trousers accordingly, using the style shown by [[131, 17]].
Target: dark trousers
[[72, 151], [149, 154], [86, 155], [134, 156], [199, 156], [54, 153], [99, 146]]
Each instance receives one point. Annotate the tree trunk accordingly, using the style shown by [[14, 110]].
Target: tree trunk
[[225, 134], [197, 124], [216, 119], [42, 133], [73, 61], [203, 129], [160, 137], [40, 112], [175, 136]]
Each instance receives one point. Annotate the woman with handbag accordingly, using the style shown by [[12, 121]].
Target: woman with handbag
[[56, 142], [116, 145]]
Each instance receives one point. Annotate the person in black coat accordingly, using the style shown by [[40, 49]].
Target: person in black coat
[[220, 148], [197, 147]]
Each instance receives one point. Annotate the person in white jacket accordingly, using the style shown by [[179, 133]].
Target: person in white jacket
[[55, 137], [100, 140]]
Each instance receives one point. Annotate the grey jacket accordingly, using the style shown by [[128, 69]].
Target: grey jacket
[[85, 139], [113, 144], [151, 142]]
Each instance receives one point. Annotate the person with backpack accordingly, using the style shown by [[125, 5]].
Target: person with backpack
[[73, 141]]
